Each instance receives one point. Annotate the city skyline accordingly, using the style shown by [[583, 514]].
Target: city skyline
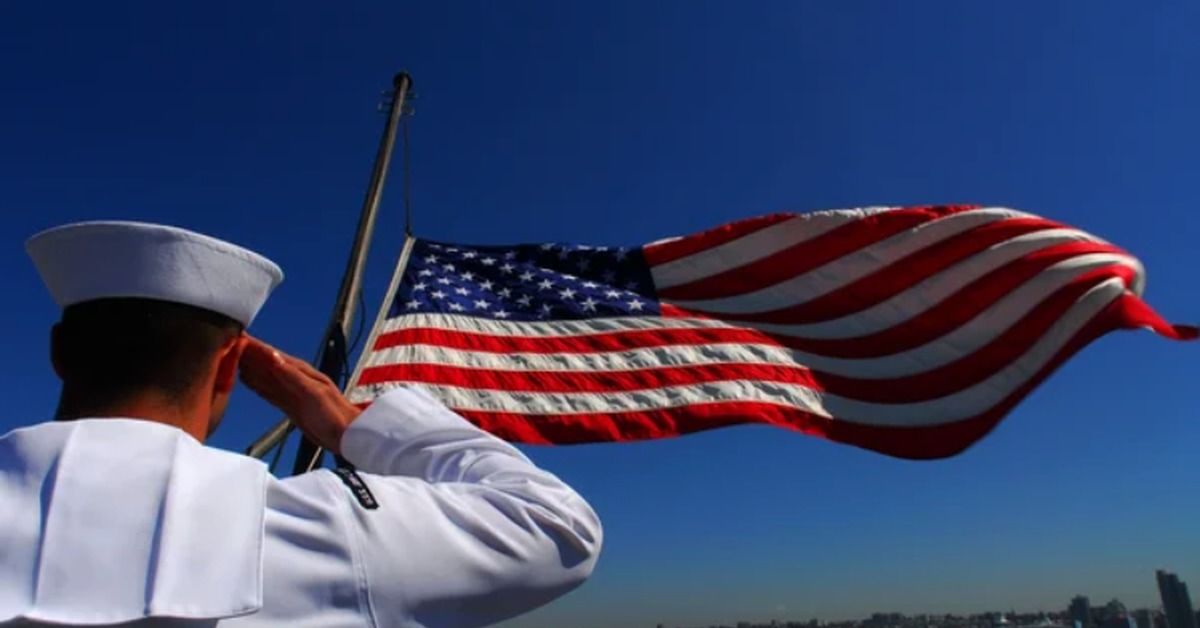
[[1175, 610], [1059, 607]]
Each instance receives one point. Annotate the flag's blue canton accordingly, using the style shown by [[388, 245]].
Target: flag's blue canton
[[535, 282]]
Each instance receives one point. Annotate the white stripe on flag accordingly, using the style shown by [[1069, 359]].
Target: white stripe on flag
[[540, 329], [757, 245], [605, 362], [849, 268], [935, 289], [993, 320]]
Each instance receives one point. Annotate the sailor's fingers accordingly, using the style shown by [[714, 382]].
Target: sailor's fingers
[[300, 365], [308, 397], [267, 372], [308, 370]]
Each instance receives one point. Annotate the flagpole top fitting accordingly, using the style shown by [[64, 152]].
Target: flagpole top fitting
[[399, 79]]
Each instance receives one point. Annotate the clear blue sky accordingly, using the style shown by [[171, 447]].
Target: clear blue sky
[[625, 122]]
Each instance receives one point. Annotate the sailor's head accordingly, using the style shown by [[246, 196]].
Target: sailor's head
[[154, 319]]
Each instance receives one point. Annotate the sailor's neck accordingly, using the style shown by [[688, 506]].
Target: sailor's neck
[[147, 408]]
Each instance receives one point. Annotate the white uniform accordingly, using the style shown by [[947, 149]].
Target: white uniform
[[109, 521]]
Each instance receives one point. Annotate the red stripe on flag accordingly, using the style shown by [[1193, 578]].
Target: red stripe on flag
[[808, 255], [943, 317], [981, 364], [597, 342], [1137, 314], [656, 254], [897, 277], [587, 381]]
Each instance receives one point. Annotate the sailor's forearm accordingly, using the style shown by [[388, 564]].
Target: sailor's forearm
[[468, 527], [409, 432]]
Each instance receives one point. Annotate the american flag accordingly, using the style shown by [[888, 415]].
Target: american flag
[[907, 331]]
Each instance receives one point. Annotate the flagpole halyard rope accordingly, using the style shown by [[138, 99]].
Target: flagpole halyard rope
[[407, 182], [393, 288]]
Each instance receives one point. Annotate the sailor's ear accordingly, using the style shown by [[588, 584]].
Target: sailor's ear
[[228, 358], [56, 349]]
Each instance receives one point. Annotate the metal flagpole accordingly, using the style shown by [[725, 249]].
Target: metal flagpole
[[333, 355], [397, 276], [393, 286]]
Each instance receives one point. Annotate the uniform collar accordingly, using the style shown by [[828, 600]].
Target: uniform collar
[[114, 520]]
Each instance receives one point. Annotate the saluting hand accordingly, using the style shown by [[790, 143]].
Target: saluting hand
[[304, 394]]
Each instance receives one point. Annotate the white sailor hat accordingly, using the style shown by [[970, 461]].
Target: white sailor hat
[[106, 259]]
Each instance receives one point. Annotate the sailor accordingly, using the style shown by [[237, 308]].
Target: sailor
[[117, 513]]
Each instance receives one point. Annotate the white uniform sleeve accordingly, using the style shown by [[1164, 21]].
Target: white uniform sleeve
[[468, 532]]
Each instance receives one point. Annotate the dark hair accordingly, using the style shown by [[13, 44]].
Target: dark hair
[[111, 350]]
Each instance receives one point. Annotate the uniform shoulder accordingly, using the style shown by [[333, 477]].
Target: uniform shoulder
[[145, 508]]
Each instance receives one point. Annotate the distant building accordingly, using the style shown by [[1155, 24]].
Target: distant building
[[1080, 613], [1177, 604]]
